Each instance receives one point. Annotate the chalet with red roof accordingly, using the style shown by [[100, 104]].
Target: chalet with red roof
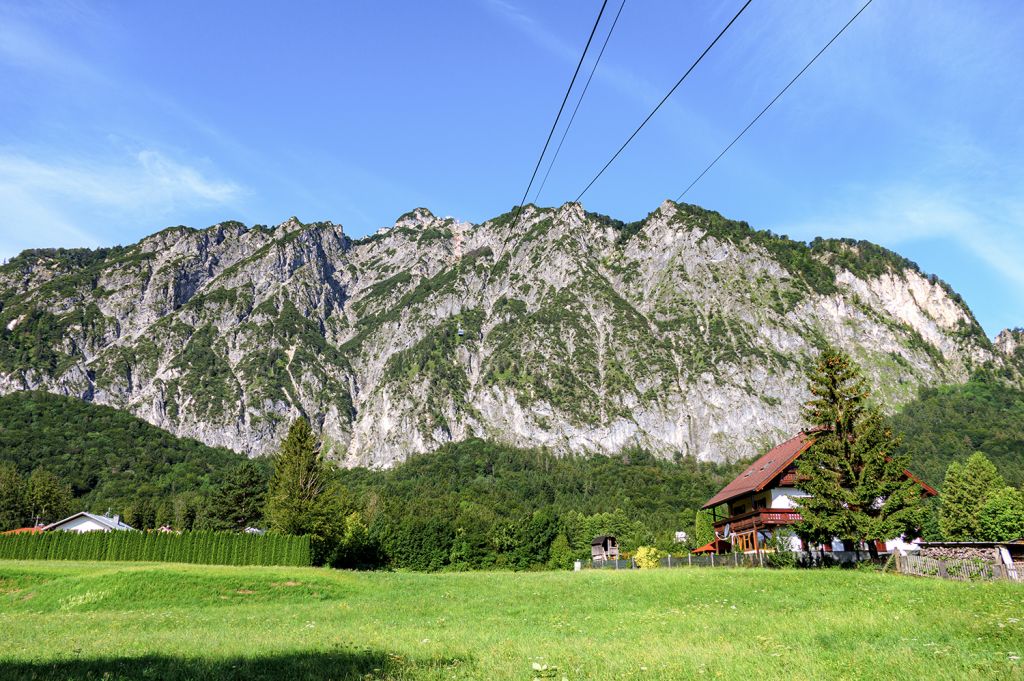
[[766, 496]]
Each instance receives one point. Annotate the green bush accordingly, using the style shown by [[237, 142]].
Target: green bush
[[211, 548]]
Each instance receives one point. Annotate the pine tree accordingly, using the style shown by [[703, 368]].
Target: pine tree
[[858, 487], [965, 490], [300, 498], [238, 502]]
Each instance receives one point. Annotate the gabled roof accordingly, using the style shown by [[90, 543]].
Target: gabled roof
[[760, 474], [763, 471], [25, 530], [106, 521]]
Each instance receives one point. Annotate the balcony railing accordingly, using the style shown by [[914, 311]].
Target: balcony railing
[[761, 517]]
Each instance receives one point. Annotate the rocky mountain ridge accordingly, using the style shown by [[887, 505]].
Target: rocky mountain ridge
[[683, 333]]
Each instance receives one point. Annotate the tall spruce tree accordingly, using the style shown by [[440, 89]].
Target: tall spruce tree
[[858, 487], [301, 499], [965, 490]]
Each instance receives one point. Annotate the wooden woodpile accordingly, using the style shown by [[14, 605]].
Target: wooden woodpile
[[960, 553], [962, 570]]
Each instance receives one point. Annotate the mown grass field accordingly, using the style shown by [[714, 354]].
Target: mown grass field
[[169, 621]]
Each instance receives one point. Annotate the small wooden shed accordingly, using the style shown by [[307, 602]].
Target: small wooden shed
[[604, 547]]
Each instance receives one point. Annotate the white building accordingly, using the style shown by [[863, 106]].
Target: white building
[[89, 522]]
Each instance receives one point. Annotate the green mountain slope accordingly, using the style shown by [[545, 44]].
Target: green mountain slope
[[951, 422], [109, 457]]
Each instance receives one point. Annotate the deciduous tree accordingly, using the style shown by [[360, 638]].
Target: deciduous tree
[[967, 487], [48, 498], [703, 528], [12, 498], [1001, 517]]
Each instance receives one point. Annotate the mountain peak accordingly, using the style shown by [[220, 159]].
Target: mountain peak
[[414, 218]]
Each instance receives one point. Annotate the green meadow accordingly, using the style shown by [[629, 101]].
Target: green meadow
[[68, 620]]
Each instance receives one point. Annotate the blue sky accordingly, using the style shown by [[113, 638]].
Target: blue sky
[[119, 118]]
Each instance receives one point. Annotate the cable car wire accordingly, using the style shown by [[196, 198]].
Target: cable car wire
[[578, 102], [776, 98], [554, 125], [664, 99]]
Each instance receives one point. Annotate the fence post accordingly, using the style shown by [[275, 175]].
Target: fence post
[[689, 560], [735, 559], [670, 560]]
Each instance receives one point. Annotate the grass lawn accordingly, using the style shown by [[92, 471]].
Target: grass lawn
[[65, 620]]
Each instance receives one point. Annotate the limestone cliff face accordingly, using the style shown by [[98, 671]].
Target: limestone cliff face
[[684, 332], [1010, 342]]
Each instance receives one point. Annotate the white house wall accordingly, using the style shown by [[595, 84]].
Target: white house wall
[[81, 524]]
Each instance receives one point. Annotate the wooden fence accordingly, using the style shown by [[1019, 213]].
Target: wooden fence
[[690, 560], [963, 570]]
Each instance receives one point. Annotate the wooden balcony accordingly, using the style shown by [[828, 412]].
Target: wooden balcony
[[759, 518]]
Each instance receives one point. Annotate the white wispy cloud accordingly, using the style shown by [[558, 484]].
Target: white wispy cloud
[[902, 215], [148, 178], [72, 201]]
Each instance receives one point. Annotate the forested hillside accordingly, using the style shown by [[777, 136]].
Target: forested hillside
[[110, 458], [477, 504], [951, 422]]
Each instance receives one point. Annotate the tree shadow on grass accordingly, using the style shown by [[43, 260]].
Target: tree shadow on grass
[[336, 665]]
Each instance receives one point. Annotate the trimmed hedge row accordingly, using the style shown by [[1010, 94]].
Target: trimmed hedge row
[[210, 548]]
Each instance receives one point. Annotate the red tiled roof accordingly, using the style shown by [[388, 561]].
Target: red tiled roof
[[764, 470], [24, 530]]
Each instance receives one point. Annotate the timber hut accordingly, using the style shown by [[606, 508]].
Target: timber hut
[[604, 547]]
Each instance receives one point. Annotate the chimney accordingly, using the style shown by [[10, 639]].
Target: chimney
[[117, 519]]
